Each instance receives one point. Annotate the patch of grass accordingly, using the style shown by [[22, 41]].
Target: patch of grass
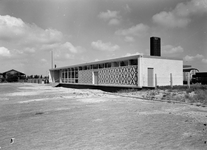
[[184, 87], [201, 96], [197, 93]]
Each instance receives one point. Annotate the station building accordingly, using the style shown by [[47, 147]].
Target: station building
[[132, 71]]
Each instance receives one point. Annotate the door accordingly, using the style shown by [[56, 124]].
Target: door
[[150, 77], [95, 77]]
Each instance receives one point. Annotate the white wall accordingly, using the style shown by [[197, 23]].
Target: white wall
[[50, 76], [54, 75], [162, 68]]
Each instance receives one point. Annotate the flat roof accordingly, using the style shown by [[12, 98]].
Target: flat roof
[[189, 69], [114, 60]]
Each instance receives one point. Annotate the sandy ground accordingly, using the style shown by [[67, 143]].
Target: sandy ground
[[41, 117]]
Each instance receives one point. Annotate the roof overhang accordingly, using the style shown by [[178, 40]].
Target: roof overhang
[[114, 60]]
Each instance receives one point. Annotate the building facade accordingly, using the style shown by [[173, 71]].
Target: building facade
[[133, 71]]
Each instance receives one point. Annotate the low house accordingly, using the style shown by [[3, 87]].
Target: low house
[[133, 71], [1, 77], [13, 75]]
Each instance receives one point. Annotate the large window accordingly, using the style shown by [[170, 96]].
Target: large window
[[107, 65], [70, 75]]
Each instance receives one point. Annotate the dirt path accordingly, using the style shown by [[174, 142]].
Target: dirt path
[[42, 117]]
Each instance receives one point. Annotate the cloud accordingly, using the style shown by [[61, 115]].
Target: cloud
[[204, 61], [168, 19], [114, 22], [63, 50], [192, 58], [12, 28], [27, 39], [99, 45], [169, 49], [138, 30], [127, 8], [67, 46], [112, 17], [108, 15], [181, 15], [70, 47], [43, 60], [129, 39], [4, 52], [137, 53]]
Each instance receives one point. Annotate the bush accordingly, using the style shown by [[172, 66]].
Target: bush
[[201, 96]]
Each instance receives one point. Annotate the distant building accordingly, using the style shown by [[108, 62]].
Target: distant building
[[188, 69], [200, 77], [13, 75], [133, 71], [1, 77]]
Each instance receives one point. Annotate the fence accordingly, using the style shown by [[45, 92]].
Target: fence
[[39, 81]]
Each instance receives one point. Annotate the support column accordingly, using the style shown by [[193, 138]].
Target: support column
[[61, 76]]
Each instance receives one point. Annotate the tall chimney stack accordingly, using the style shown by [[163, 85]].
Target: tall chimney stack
[[155, 46]]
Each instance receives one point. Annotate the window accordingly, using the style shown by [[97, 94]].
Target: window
[[70, 75], [65, 73], [115, 64], [107, 65], [95, 66], [89, 67], [133, 62], [124, 63], [76, 73], [84, 67], [101, 65]]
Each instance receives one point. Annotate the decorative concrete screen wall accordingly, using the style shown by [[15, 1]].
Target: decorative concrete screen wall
[[126, 75], [85, 76]]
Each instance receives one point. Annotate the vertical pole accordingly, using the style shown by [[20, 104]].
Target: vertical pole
[[155, 81], [51, 59], [171, 81], [139, 71], [189, 79]]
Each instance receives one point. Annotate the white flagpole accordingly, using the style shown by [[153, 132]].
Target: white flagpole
[[51, 59]]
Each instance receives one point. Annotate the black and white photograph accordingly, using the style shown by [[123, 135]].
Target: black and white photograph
[[103, 74]]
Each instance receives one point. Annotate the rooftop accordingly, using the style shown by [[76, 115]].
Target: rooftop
[[115, 60]]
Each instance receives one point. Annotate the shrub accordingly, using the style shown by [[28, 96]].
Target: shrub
[[201, 96]]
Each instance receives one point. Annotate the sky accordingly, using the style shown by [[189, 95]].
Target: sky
[[80, 31]]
